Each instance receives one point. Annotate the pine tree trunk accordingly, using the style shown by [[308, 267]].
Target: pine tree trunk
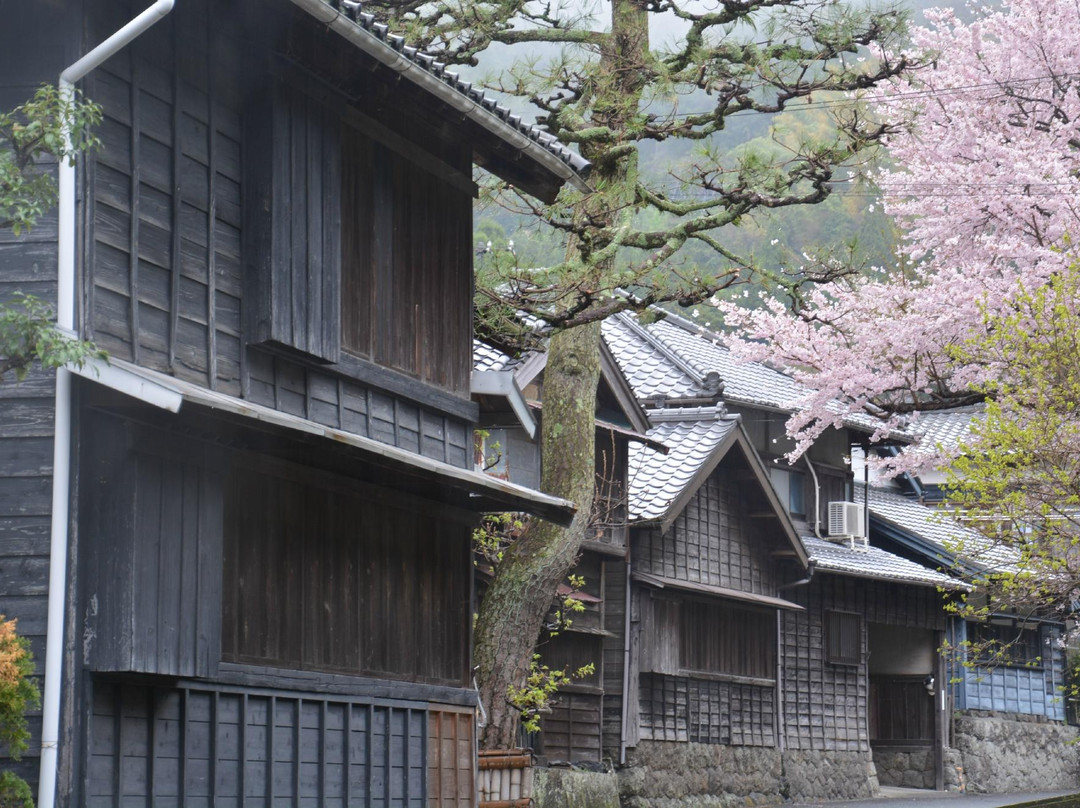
[[519, 597], [515, 605]]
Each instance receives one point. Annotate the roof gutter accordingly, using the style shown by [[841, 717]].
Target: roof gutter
[[62, 425], [386, 55]]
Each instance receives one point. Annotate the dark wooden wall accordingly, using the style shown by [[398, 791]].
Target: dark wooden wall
[[165, 285], [714, 540], [826, 705], [198, 745], [614, 645], [26, 446], [185, 277], [681, 708], [321, 577], [315, 583], [150, 526], [28, 264]]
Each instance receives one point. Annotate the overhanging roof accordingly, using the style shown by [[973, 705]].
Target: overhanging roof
[[484, 492], [530, 142], [720, 591]]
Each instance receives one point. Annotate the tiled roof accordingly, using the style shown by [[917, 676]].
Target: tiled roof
[[946, 428], [873, 562], [487, 358], [937, 528], [657, 480], [674, 358], [352, 10]]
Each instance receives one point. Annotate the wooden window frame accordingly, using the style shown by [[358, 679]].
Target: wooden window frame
[[833, 654]]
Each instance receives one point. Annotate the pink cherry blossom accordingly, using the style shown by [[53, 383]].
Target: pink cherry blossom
[[987, 192]]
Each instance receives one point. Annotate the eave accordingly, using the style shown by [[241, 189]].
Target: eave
[[477, 491], [549, 163], [719, 591]]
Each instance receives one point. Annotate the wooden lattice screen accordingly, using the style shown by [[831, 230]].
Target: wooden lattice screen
[[451, 744]]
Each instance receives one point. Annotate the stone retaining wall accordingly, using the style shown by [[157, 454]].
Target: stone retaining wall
[[910, 767], [818, 776], [665, 774], [1001, 752]]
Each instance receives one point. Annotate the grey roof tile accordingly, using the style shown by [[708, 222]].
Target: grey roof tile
[[937, 527], [946, 428], [352, 10], [657, 480], [672, 357], [487, 358], [875, 563]]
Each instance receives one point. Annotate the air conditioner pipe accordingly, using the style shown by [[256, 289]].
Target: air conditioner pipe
[[62, 437], [817, 497]]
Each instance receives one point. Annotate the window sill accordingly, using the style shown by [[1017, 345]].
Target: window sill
[[731, 678]]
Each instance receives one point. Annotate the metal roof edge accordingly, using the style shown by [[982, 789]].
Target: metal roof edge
[[661, 582]]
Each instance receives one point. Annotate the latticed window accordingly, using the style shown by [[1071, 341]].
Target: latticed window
[[843, 637], [721, 638], [1006, 644]]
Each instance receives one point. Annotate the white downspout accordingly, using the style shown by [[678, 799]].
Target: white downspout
[[61, 489]]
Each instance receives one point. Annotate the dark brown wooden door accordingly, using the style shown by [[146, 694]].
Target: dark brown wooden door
[[901, 711]]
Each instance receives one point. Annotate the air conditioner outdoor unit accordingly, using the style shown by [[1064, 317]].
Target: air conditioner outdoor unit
[[846, 520]]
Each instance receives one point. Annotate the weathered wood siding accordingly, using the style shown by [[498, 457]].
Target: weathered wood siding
[[713, 541], [321, 577], [681, 708], [614, 659], [202, 745], [150, 522], [216, 221], [294, 173], [26, 446], [826, 705], [165, 284]]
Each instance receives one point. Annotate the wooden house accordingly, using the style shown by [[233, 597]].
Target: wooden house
[[752, 632], [1018, 699], [241, 549], [1028, 685]]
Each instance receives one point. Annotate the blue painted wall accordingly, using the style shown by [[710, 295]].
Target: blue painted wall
[[1028, 691]]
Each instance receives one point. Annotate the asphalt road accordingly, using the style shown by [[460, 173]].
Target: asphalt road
[[918, 798]]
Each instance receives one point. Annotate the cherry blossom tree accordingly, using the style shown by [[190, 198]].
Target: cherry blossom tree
[[987, 188]]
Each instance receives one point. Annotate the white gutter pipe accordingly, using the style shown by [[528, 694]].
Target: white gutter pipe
[[61, 490]]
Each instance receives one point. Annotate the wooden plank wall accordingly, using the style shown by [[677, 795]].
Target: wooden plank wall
[[680, 708], [571, 731], [320, 576], [198, 745], [26, 446], [329, 399], [27, 264], [165, 287], [826, 705], [713, 541], [150, 534], [451, 749], [166, 278], [614, 655]]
